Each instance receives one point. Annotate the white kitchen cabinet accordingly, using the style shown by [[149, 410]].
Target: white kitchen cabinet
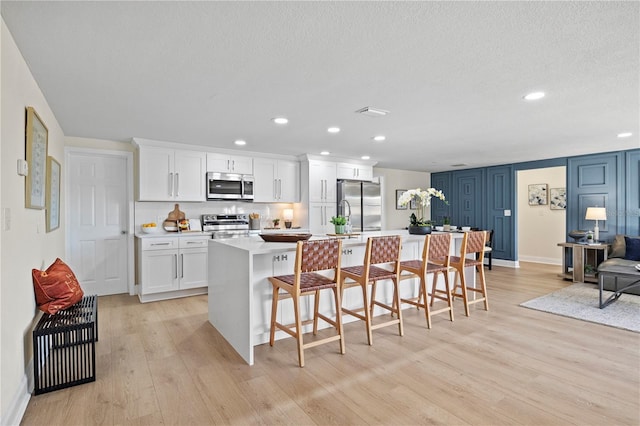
[[319, 216], [172, 266], [322, 181], [167, 174], [276, 181], [224, 163], [354, 171]]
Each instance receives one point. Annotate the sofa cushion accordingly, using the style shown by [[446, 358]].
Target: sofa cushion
[[618, 247], [632, 251], [56, 288]]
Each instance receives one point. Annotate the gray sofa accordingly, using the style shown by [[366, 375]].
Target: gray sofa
[[617, 262]]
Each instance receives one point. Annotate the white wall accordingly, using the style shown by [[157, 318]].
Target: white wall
[[25, 244], [399, 179], [540, 229]]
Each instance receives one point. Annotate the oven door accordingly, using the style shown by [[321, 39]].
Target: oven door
[[223, 186]]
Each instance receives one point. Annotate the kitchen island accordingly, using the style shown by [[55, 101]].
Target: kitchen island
[[240, 293]]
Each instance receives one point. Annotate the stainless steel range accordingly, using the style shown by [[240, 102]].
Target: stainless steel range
[[226, 225]]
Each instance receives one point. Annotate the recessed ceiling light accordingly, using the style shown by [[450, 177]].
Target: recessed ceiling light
[[280, 120], [333, 129], [458, 165], [240, 142], [534, 96], [379, 138], [625, 134], [325, 153], [365, 157], [372, 112]]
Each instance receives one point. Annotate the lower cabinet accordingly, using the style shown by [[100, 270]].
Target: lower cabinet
[[170, 267]]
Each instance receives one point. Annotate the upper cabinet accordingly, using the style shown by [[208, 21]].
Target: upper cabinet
[[225, 163], [355, 171], [276, 181], [322, 181], [171, 174]]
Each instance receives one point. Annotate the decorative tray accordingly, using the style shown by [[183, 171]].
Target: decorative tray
[[284, 238]]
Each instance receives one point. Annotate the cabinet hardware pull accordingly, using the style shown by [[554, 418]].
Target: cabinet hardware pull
[[181, 265], [284, 257], [176, 260], [171, 184], [233, 165], [160, 244], [275, 189], [177, 184], [228, 164]]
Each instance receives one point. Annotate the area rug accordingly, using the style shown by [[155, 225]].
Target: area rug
[[580, 301]]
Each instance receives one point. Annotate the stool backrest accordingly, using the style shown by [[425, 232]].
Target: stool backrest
[[383, 249], [318, 255], [439, 249]]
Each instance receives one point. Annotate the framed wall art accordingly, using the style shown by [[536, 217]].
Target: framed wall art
[[53, 194], [558, 198], [36, 153], [399, 193], [538, 194]]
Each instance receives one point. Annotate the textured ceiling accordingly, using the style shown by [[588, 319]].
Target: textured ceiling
[[452, 75]]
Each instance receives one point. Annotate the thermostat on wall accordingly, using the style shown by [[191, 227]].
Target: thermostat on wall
[[23, 167]]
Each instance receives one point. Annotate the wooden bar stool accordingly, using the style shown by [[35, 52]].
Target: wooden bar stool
[[472, 243], [311, 256], [435, 260], [380, 250]]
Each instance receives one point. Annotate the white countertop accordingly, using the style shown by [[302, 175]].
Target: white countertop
[[165, 234], [255, 245]]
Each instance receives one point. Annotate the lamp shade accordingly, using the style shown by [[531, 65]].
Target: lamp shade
[[596, 213], [287, 214]]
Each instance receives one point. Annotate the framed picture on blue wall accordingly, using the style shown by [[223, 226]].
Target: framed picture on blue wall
[[558, 198]]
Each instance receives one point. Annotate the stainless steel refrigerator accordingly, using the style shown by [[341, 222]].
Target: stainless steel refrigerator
[[365, 203]]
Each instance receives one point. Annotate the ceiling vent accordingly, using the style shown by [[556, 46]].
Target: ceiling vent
[[372, 112]]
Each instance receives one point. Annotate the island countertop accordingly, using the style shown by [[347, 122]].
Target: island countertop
[[255, 245]]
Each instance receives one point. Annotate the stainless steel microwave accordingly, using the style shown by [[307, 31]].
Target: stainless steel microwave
[[229, 186]]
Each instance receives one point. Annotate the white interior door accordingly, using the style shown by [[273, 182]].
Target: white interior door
[[99, 241]]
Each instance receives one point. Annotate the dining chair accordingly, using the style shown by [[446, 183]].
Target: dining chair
[[379, 251], [473, 243], [311, 258], [435, 260]]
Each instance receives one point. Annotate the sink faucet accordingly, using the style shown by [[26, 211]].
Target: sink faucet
[[348, 216]]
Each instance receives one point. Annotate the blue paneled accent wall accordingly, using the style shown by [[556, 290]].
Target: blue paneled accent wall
[[483, 197], [440, 210], [500, 210], [596, 181], [632, 196]]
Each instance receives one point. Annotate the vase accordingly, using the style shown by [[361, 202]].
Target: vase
[[420, 230], [339, 229]]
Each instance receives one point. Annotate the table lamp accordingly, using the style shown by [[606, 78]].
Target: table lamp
[[287, 215], [596, 213]]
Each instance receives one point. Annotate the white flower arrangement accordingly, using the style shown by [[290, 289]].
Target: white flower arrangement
[[423, 200]]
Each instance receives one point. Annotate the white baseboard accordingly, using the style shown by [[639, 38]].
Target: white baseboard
[[545, 260], [18, 405], [502, 262]]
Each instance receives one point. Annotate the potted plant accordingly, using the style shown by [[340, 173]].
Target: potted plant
[[276, 223], [339, 222], [418, 224], [446, 223]]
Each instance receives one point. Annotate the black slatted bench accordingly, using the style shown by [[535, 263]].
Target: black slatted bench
[[64, 347]]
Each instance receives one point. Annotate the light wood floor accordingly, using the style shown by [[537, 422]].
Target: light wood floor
[[163, 363]]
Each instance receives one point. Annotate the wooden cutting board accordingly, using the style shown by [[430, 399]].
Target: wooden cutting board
[[176, 214]]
